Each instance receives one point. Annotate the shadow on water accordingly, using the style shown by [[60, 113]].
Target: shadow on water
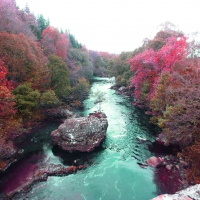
[[77, 158]]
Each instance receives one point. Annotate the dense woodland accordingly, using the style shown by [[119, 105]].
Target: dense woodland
[[42, 68]]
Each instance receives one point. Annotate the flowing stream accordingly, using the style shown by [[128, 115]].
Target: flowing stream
[[115, 171]]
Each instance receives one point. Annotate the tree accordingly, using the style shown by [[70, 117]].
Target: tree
[[81, 89], [180, 120], [11, 20], [54, 42], [49, 99], [42, 24], [27, 101], [100, 97], [29, 20], [149, 65], [7, 104], [79, 58], [73, 42], [59, 73], [23, 57]]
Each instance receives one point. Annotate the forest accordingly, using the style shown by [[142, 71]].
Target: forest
[[43, 68]]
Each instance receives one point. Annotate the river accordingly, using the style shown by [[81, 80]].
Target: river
[[114, 171]]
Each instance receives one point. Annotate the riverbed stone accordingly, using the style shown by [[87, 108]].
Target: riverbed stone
[[81, 134], [154, 161]]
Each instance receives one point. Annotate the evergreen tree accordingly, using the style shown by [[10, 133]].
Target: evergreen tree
[[59, 76], [42, 24]]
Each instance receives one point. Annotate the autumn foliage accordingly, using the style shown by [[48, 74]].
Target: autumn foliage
[[7, 109], [42, 67], [12, 19], [166, 82], [23, 57], [149, 65], [54, 42]]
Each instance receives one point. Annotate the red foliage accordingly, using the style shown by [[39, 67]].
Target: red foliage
[[181, 122], [6, 103], [54, 42], [11, 20], [149, 65], [23, 57], [3, 72]]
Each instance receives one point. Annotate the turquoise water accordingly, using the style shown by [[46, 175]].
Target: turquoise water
[[113, 172]]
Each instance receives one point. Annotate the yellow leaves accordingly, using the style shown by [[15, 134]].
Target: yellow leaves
[[5, 93], [161, 122]]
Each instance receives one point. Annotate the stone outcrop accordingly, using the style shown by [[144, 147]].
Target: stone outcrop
[[185, 141], [81, 134], [8, 153], [58, 113], [191, 193], [154, 161], [39, 175]]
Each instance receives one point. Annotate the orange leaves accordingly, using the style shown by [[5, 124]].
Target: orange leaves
[[191, 155], [23, 56], [6, 101]]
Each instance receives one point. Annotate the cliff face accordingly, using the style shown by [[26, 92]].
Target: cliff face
[[8, 151], [81, 134]]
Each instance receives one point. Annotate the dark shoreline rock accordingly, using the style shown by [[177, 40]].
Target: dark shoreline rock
[[59, 113], [81, 134], [190, 193], [12, 149], [42, 175], [170, 173], [125, 91]]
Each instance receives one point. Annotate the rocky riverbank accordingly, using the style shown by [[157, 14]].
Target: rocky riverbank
[[10, 150], [91, 129], [37, 174], [170, 169]]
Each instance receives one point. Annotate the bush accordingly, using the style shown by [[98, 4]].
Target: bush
[[27, 100], [49, 99], [81, 89]]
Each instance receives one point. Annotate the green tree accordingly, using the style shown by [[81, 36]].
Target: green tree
[[74, 43], [81, 89], [42, 24], [59, 76], [49, 99], [100, 97], [27, 100]]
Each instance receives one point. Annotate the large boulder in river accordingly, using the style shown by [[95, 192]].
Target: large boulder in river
[[81, 134]]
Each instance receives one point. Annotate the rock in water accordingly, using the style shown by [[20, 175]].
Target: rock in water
[[154, 161], [81, 134]]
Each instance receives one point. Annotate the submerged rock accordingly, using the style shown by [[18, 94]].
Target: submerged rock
[[81, 134]]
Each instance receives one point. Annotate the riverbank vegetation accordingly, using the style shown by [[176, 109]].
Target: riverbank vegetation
[[42, 67], [165, 79]]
